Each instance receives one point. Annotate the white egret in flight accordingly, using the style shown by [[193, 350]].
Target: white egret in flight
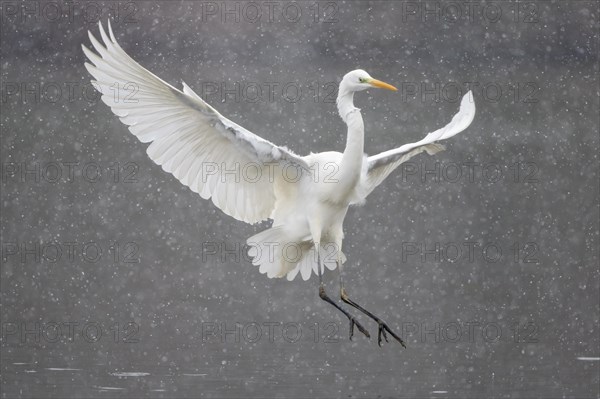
[[187, 135]]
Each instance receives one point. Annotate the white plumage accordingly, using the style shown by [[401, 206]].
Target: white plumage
[[198, 145]]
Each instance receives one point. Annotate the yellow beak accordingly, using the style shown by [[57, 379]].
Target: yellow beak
[[382, 85]]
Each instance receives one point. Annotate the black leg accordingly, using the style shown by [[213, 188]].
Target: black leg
[[382, 326], [323, 295]]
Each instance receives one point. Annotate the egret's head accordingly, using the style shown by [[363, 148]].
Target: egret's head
[[359, 80]]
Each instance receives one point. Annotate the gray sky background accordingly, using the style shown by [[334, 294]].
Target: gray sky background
[[484, 257]]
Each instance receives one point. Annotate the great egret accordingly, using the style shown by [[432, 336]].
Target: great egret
[[308, 211]]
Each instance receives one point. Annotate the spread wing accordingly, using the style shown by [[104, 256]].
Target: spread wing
[[207, 152], [381, 165]]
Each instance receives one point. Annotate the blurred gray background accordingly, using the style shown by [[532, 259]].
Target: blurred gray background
[[118, 281]]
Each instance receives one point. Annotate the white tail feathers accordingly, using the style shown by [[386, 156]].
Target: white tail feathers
[[278, 256]]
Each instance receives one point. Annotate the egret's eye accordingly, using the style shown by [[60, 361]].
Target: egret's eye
[[361, 80]]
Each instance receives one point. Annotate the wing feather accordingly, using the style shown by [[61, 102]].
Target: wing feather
[[381, 165], [188, 137]]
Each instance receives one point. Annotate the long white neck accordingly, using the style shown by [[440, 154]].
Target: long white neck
[[345, 102], [351, 165]]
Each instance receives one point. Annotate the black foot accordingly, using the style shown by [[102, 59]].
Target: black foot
[[382, 326], [382, 329], [353, 321]]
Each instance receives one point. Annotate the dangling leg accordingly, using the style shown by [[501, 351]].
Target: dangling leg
[[382, 326], [323, 295]]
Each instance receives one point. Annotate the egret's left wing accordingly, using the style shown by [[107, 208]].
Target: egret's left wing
[[190, 139], [381, 165]]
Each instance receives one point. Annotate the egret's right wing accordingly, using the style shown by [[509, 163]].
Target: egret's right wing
[[381, 165], [207, 152]]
